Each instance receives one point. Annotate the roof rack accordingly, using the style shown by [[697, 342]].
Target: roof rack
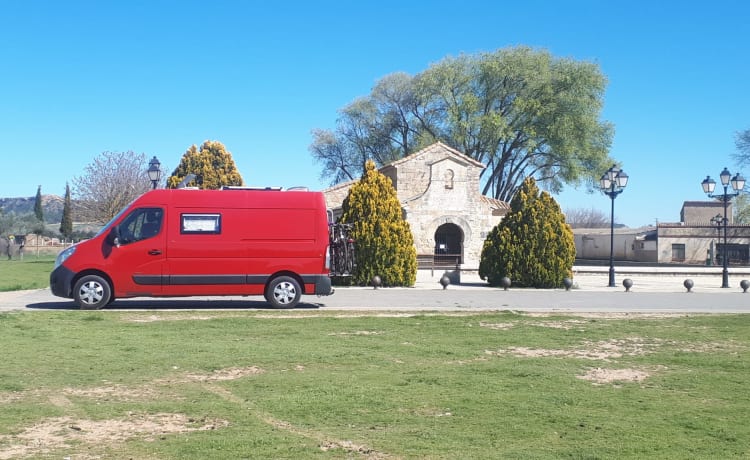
[[242, 187]]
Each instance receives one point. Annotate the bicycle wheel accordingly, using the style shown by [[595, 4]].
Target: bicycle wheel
[[349, 258]]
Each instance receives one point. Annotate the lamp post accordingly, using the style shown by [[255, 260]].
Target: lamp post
[[717, 220], [612, 183], [154, 171], [709, 185]]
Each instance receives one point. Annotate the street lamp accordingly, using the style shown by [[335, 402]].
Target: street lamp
[[154, 171], [717, 220], [738, 183], [612, 183]]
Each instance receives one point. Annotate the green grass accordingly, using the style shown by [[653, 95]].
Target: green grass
[[216, 385], [30, 273]]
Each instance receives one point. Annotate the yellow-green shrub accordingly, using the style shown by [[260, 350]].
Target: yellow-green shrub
[[532, 245], [384, 244], [211, 163]]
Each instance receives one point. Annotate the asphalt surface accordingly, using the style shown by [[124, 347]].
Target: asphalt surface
[[650, 293]]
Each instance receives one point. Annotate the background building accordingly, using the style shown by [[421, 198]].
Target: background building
[[698, 239]]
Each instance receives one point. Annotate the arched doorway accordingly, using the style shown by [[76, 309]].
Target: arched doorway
[[449, 244]]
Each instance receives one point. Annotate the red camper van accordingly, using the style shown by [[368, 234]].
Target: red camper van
[[187, 242]]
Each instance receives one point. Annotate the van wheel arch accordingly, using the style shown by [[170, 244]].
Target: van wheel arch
[[284, 290], [92, 290]]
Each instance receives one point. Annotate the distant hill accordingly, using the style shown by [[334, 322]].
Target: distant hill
[[52, 207]]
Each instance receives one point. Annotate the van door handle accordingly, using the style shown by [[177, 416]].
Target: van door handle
[[154, 252]]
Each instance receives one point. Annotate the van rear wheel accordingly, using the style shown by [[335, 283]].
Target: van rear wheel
[[92, 292], [283, 292]]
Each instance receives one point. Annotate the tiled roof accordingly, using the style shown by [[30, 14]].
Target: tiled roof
[[339, 186], [495, 203], [435, 146]]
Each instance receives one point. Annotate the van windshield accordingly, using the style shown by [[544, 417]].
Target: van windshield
[[109, 224]]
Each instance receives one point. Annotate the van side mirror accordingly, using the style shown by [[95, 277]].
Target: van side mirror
[[113, 237]]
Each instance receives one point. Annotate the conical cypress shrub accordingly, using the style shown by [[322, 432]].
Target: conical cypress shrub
[[532, 245], [384, 244]]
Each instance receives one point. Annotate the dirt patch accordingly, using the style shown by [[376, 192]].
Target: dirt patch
[[565, 325], [428, 412], [7, 398], [601, 376], [225, 374], [349, 446], [57, 433], [60, 401], [602, 350], [357, 333], [496, 326], [462, 362], [114, 393], [124, 393], [175, 317], [61, 432]]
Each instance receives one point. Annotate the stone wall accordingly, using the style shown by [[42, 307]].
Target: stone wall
[[436, 186]]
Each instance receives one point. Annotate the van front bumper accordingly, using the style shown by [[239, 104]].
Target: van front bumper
[[61, 281]]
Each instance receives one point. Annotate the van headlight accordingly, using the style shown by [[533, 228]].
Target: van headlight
[[64, 255]]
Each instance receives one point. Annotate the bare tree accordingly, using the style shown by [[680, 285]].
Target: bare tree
[[742, 141], [586, 218], [741, 205], [110, 182]]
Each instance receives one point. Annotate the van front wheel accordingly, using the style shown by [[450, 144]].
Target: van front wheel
[[283, 292], [92, 292]]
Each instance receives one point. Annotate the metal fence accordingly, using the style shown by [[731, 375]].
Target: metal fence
[[434, 262]]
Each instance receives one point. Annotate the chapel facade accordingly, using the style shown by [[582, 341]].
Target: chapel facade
[[438, 187]]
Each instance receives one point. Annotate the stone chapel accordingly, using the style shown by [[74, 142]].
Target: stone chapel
[[439, 192]]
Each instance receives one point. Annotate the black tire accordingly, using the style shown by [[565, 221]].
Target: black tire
[[92, 292], [283, 292]]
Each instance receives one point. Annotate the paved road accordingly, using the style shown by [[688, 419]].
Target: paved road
[[650, 293]]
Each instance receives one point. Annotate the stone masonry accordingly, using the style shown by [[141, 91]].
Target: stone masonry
[[439, 192]]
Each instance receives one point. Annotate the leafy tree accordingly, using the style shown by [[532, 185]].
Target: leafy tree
[[384, 242], [20, 224], [741, 209], [520, 111], [379, 127], [38, 212], [212, 165], [66, 224], [532, 245], [110, 182]]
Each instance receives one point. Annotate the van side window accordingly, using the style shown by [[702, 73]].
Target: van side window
[[141, 224], [204, 224]]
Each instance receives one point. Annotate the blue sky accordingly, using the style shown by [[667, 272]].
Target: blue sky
[[83, 77]]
